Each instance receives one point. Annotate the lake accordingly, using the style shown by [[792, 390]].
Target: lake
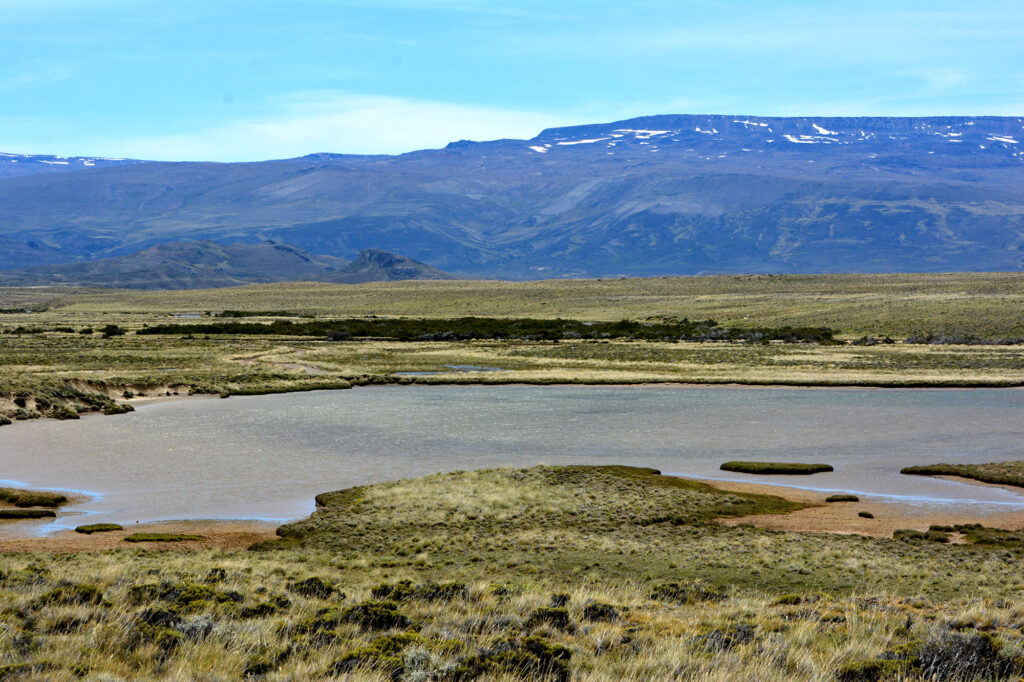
[[265, 457]]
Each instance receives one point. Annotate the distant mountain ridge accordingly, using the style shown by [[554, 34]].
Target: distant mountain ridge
[[658, 195], [205, 264], [14, 165]]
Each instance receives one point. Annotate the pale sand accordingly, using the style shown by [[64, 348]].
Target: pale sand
[[841, 517], [224, 535]]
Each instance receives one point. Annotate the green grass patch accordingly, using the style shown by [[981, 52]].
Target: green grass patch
[[844, 497], [91, 528], [788, 468], [27, 514]]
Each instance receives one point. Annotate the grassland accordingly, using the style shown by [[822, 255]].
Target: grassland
[[58, 361], [983, 304], [583, 573]]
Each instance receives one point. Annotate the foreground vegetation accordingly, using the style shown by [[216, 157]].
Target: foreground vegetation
[[583, 573], [1002, 473]]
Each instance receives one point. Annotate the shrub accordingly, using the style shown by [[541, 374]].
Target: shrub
[[429, 591], [533, 659], [599, 611], [91, 528], [724, 639], [865, 515], [375, 615], [63, 412], [314, 587], [4, 420], [684, 593], [112, 330], [545, 615], [787, 468], [842, 498], [68, 595], [383, 653]]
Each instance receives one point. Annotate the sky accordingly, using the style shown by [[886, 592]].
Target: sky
[[226, 80]]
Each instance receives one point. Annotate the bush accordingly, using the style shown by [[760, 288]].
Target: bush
[[68, 595], [865, 515], [383, 653], [313, 587], [404, 590], [375, 615], [786, 468], [112, 330], [842, 498], [533, 659], [545, 615], [63, 412], [599, 611], [684, 593]]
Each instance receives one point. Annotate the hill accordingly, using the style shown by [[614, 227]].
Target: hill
[[650, 196], [205, 264]]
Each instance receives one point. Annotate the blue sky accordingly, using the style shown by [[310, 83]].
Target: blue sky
[[228, 81]]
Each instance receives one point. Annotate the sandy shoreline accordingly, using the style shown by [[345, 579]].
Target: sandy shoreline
[[817, 517], [224, 535], [842, 517]]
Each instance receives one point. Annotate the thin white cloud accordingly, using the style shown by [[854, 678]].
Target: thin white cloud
[[331, 121]]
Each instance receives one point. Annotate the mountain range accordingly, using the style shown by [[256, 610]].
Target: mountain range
[[205, 264], [659, 195]]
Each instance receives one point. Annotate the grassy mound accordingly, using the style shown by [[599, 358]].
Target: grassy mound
[[1003, 473], [27, 514], [91, 528], [775, 468], [31, 498], [576, 515]]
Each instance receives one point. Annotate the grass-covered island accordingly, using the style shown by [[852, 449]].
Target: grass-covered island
[[767, 468], [1001, 473], [557, 573]]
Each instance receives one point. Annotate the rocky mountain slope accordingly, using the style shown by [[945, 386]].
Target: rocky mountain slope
[[648, 196], [204, 264]]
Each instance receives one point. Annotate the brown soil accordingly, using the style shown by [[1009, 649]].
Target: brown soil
[[224, 535], [841, 517]]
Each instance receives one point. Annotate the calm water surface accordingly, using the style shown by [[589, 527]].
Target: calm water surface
[[267, 456]]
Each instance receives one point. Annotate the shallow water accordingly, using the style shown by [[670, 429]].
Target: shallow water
[[267, 456]]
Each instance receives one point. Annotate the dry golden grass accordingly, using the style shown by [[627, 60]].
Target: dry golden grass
[[984, 304]]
